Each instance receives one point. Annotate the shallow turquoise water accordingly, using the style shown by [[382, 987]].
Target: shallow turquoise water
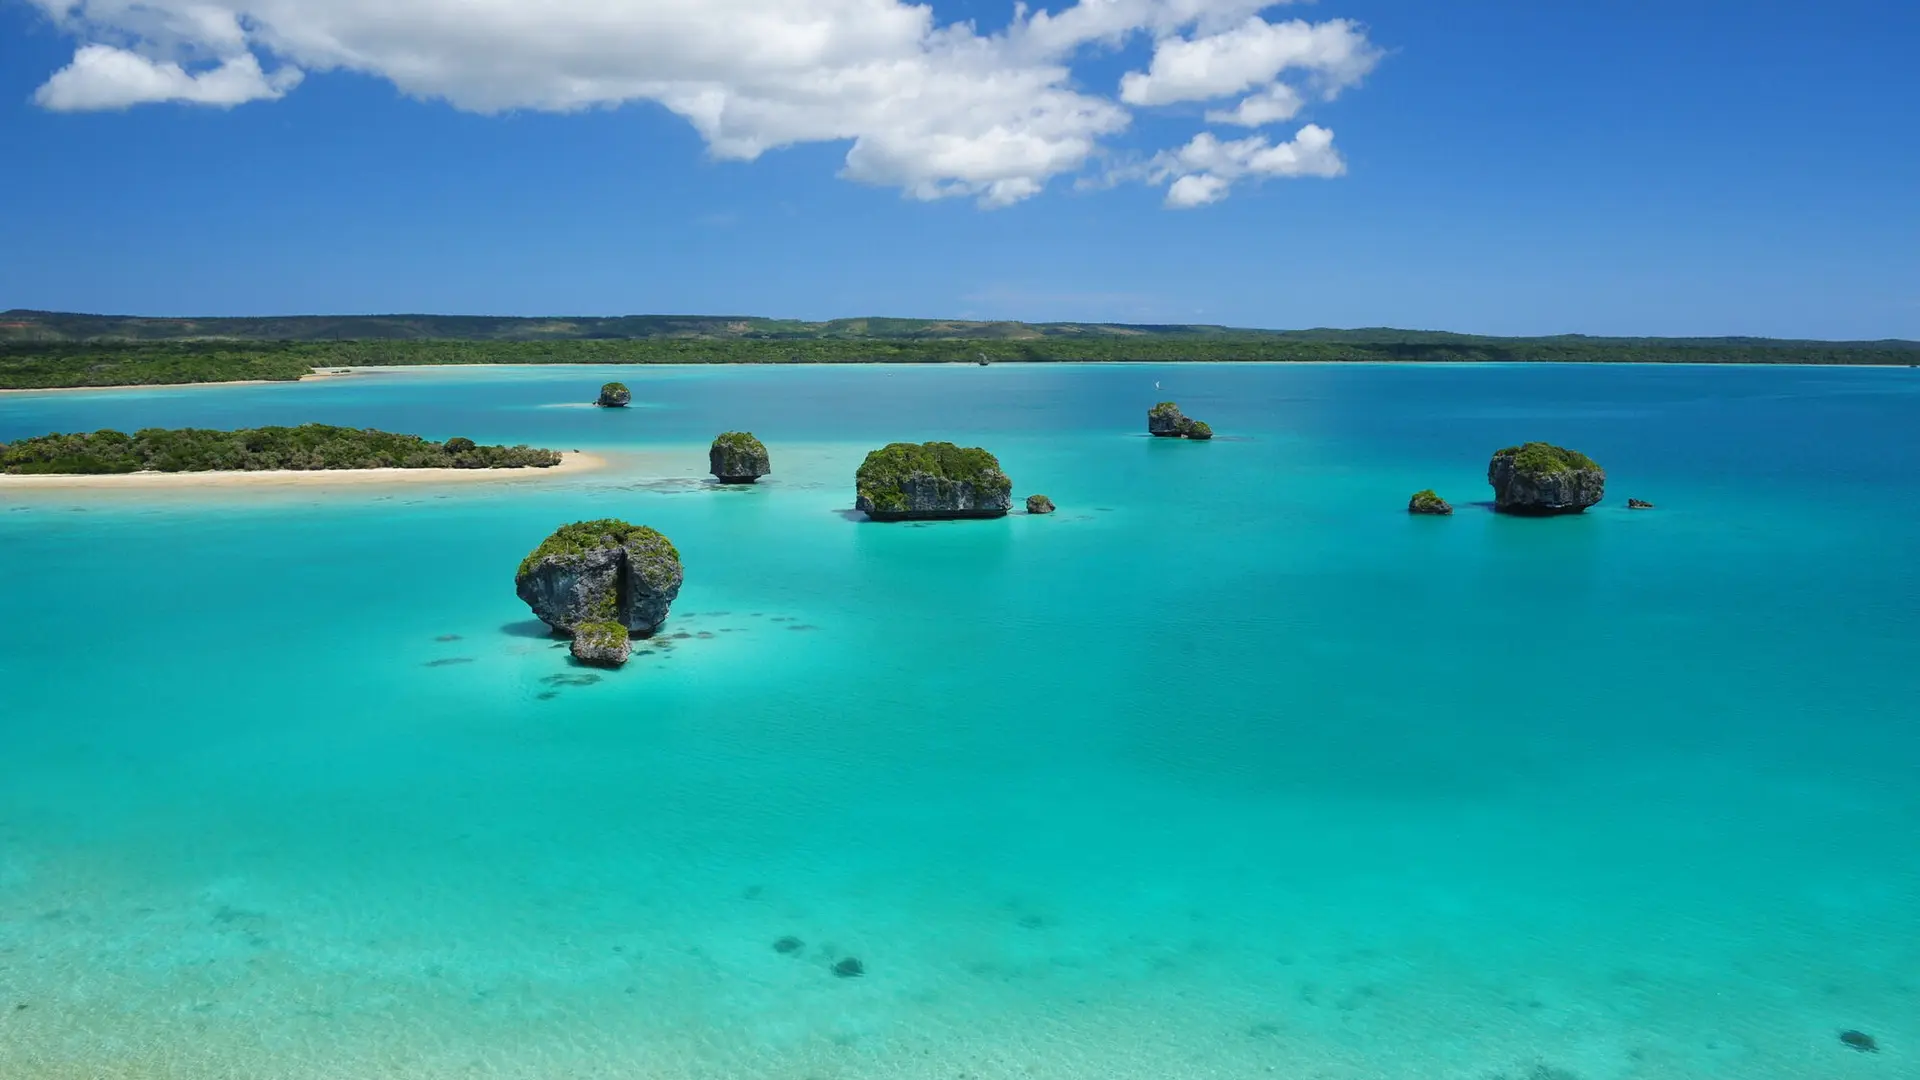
[[1228, 769]]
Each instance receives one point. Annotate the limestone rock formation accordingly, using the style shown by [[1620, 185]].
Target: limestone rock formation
[[1039, 504], [614, 396], [603, 644], [601, 571], [1639, 504], [738, 458], [909, 481], [1426, 502], [1165, 420], [1538, 478]]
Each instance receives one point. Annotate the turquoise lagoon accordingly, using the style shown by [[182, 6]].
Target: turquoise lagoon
[[1228, 769]]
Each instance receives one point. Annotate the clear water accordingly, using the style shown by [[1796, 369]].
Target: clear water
[[1229, 769]]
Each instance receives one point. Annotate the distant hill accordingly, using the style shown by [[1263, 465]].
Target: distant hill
[[58, 326], [22, 325], [55, 349]]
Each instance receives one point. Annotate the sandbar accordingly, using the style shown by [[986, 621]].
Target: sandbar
[[572, 463], [313, 376]]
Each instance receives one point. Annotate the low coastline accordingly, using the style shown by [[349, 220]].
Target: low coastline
[[572, 463], [312, 376]]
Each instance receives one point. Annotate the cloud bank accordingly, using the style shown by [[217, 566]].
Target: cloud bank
[[935, 110]]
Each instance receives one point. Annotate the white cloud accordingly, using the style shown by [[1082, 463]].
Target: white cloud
[[934, 110], [1197, 189], [1253, 53], [103, 77], [1205, 169], [1272, 105]]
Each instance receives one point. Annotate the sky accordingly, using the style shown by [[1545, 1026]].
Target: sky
[[1626, 167]]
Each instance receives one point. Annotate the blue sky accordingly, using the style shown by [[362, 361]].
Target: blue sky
[[1627, 167]]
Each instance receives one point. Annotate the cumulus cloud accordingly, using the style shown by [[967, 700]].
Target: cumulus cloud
[[1205, 169], [935, 110], [103, 77], [1335, 53], [1272, 105]]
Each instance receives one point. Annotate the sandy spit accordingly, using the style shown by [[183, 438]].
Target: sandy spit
[[572, 463], [330, 373]]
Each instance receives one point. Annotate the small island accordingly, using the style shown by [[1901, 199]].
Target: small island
[[1166, 421], [738, 458], [308, 448], [614, 395], [1039, 504], [1426, 502], [931, 481], [1639, 504], [1539, 479], [600, 582]]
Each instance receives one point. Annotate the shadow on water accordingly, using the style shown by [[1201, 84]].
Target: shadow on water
[[528, 628]]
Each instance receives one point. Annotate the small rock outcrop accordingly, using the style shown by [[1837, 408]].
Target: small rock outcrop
[[1166, 421], [603, 644], [1039, 504], [1639, 504], [604, 571], [1539, 478], [614, 396], [927, 481], [1426, 502], [738, 458]]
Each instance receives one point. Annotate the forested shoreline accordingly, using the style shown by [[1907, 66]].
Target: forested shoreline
[[53, 364], [309, 447]]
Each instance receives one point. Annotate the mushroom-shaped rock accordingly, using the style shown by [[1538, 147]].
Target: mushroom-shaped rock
[[922, 481], [1639, 504], [600, 571], [1166, 421], [604, 643], [614, 395], [1039, 504], [738, 458], [1539, 478], [1426, 502]]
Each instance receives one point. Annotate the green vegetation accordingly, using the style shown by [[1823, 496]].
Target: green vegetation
[[583, 537], [45, 349], [1427, 502], [307, 447], [1197, 429], [1545, 459], [614, 394], [602, 635], [740, 442], [885, 471]]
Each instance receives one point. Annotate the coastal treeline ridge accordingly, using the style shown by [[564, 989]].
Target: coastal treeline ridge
[[307, 447], [40, 349]]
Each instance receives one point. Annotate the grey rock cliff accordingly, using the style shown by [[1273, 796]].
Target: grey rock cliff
[[1539, 478], [598, 571]]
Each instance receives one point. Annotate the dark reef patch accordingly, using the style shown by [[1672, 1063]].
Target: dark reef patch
[[449, 661]]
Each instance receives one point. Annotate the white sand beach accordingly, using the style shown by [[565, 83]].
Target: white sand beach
[[572, 463]]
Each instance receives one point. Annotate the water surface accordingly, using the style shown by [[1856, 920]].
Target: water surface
[[1230, 768]]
